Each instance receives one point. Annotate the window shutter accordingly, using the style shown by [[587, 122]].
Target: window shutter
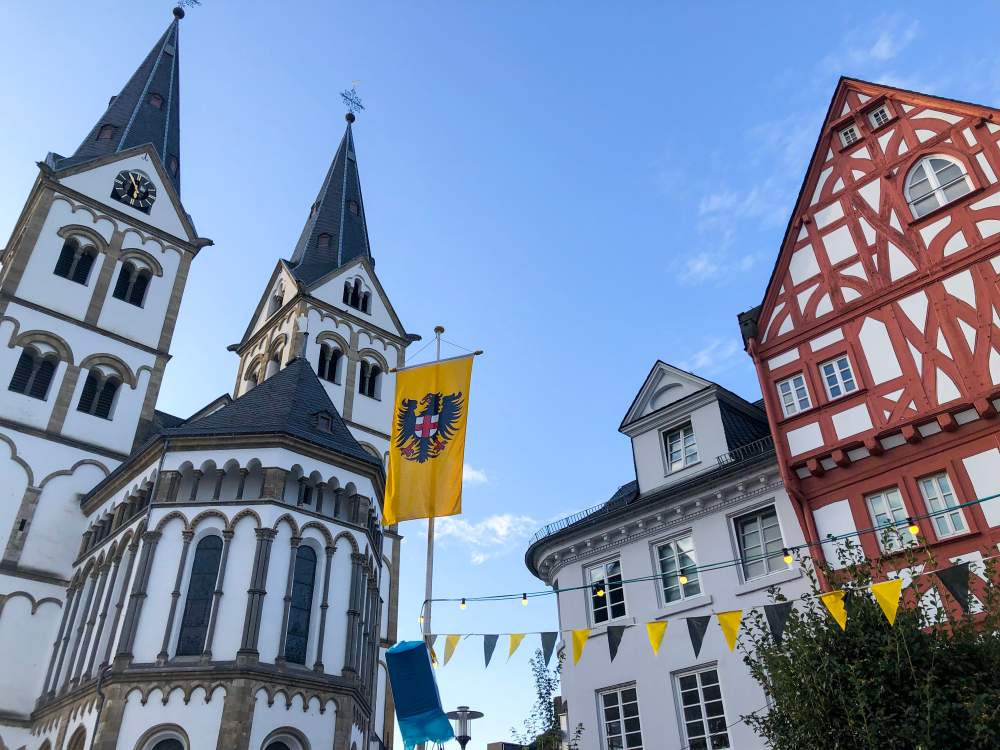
[[87, 396], [106, 398], [19, 383], [65, 259], [138, 295], [82, 272], [121, 286], [40, 385]]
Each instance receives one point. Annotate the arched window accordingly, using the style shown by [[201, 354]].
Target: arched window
[[323, 242], [353, 207], [198, 606], [347, 292], [252, 379], [277, 745], [370, 382], [75, 261], [934, 182], [356, 295], [106, 132], [98, 396], [33, 373], [168, 744], [303, 579], [366, 302], [329, 362], [273, 364], [277, 300], [173, 165], [78, 740], [132, 284], [155, 100]]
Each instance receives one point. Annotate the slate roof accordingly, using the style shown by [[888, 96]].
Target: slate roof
[[331, 215], [285, 403], [135, 120], [741, 428]]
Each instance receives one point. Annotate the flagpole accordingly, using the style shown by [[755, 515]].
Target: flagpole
[[429, 583]]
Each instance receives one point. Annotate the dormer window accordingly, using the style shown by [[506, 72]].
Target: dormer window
[[849, 135], [353, 207], [156, 101], [323, 422], [173, 165], [681, 448], [323, 242], [106, 133], [879, 117]]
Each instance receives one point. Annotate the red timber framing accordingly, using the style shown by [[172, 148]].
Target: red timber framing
[[911, 301]]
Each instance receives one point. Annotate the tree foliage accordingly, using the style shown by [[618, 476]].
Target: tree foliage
[[931, 681], [541, 730]]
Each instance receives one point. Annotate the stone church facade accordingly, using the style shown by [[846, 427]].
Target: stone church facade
[[216, 581]]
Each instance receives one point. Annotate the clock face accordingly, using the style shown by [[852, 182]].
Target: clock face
[[134, 189]]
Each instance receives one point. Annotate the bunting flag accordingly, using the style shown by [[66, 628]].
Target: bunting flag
[[730, 624], [489, 643], [615, 633], [777, 616], [887, 595], [834, 602], [696, 629], [429, 640], [450, 643], [956, 580], [655, 632], [515, 641], [580, 636], [548, 643]]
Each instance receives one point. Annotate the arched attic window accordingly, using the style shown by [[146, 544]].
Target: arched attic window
[[33, 373], [277, 300], [133, 281], [75, 261], [252, 379], [329, 362], [156, 101], [300, 607], [198, 605], [370, 382], [99, 392], [273, 363], [933, 182], [366, 302], [106, 133]]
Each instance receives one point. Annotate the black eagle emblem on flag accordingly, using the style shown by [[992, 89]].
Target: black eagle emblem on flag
[[426, 426]]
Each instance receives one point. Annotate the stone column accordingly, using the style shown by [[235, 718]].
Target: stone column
[[197, 474], [112, 714], [274, 484], [287, 601], [103, 616], [22, 525], [92, 620], [80, 622], [206, 654], [323, 607], [68, 605], [353, 612], [243, 483], [138, 597], [338, 499], [237, 717], [256, 594], [133, 547], [301, 494], [319, 489], [167, 485], [187, 535], [217, 491]]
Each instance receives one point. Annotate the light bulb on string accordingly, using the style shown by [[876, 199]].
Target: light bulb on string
[[682, 578], [524, 600], [599, 590], [420, 620], [788, 556], [912, 526], [462, 604]]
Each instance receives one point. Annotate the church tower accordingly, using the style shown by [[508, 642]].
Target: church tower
[[90, 287]]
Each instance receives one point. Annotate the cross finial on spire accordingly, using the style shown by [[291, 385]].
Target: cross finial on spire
[[353, 102]]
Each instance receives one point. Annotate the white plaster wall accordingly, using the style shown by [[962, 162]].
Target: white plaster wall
[[649, 452], [316, 724], [332, 292], [153, 618], [984, 473], [117, 433], [13, 483], [198, 718], [836, 519], [372, 412], [381, 681], [16, 406], [336, 615], [233, 604], [277, 578], [96, 183], [26, 639]]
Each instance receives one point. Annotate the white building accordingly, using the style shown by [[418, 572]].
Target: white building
[[707, 490], [219, 581]]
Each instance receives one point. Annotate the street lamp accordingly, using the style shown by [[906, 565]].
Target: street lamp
[[462, 718]]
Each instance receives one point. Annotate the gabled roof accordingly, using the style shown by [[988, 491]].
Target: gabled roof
[[651, 387], [337, 215], [135, 119], [288, 403]]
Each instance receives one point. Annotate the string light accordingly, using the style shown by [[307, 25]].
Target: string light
[[524, 600], [912, 527], [788, 556], [420, 620], [682, 578], [462, 604], [600, 591]]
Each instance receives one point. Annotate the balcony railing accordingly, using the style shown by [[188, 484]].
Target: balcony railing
[[750, 450]]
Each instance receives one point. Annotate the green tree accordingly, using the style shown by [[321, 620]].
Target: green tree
[[541, 730], [931, 681]]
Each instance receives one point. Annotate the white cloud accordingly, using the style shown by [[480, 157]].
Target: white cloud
[[492, 537], [875, 43], [472, 475], [716, 356]]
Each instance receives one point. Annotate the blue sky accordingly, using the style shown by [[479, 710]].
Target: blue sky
[[577, 188]]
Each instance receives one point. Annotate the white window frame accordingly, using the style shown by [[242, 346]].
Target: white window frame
[[889, 504], [606, 599], [938, 493], [682, 431], [873, 119], [854, 137], [702, 704], [622, 735], [693, 586], [937, 188], [773, 562], [838, 376], [790, 410]]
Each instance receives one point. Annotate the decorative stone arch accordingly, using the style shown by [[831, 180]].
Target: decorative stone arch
[[208, 688], [278, 342], [162, 732], [78, 740], [58, 343], [370, 353], [211, 513], [324, 532], [35, 603], [145, 239], [287, 517], [17, 459], [143, 258], [245, 513], [162, 524], [71, 470], [94, 238], [350, 539], [335, 338], [114, 363], [371, 449]]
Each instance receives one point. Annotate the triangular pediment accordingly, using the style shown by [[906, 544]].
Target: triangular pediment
[[96, 178], [852, 231], [282, 285], [330, 289], [665, 385]]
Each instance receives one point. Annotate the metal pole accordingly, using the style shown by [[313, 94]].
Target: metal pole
[[429, 583]]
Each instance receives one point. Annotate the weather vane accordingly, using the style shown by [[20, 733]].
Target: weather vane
[[352, 100]]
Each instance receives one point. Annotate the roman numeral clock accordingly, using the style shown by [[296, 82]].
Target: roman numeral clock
[[134, 189]]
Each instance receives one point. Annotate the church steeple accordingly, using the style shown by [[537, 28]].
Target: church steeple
[[336, 231], [145, 111]]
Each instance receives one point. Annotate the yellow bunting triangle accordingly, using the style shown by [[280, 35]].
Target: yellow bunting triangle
[[579, 641], [450, 643], [730, 624], [887, 595], [515, 641], [656, 631], [834, 602]]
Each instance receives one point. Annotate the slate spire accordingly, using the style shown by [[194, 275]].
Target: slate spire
[[336, 231], [145, 111]]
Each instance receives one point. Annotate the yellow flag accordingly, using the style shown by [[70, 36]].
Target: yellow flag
[[887, 595], [427, 449], [515, 641], [579, 641], [834, 602], [730, 624], [656, 631], [450, 643]]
